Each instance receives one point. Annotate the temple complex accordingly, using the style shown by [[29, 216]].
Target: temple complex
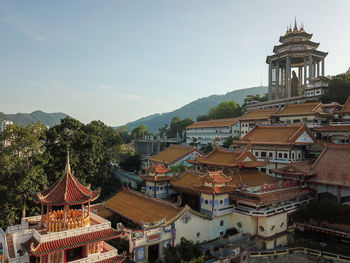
[[66, 230]]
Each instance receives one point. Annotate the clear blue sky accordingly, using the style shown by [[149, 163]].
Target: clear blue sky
[[117, 61]]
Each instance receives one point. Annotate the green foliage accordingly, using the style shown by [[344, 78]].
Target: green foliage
[[324, 211], [140, 131], [21, 170], [207, 148], [226, 109], [93, 147], [339, 89], [185, 251], [163, 130], [177, 126], [131, 163], [228, 141], [256, 97], [124, 134], [122, 244], [178, 167]]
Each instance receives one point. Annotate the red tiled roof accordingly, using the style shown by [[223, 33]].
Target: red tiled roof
[[67, 190], [277, 135], [259, 114], [216, 177], [332, 167], [158, 168], [173, 153], [49, 247], [214, 123], [229, 158]]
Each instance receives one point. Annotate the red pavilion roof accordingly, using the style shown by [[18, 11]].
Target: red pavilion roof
[[44, 248], [66, 191]]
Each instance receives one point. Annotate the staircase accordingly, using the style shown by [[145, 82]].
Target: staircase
[[11, 249]]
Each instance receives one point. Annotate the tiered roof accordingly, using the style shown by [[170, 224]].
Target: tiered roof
[[218, 183], [214, 123], [216, 177], [173, 154], [295, 168], [332, 167], [278, 135], [67, 190], [157, 169], [222, 157], [259, 114], [311, 108], [346, 107], [39, 249]]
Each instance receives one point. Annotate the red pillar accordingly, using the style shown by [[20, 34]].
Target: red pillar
[[82, 215], [42, 214]]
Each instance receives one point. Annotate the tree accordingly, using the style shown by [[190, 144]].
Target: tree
[[93, 148], [131, 163], [21, 169], [339, 89], [207, 148], [124, 134], [140, 131], [228, 141], [177, 126], [163, 130], [226, 109], [185, 251], [256, 97]]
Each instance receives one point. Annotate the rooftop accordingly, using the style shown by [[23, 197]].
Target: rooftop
[[346, 107], [214, 123], [172, 154], [332, 167], [301, 109], [296, 134], [295, 168], [259, 114]]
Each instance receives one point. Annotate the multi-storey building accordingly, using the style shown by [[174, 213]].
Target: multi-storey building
[[205, 132], [254, 117], [4, 123], [280, 144], [66, 230], [312, 114]]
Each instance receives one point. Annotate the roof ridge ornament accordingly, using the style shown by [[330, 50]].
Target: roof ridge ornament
[[68, 169], [295, 24]]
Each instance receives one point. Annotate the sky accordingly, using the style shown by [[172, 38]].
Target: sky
[[117, 61]]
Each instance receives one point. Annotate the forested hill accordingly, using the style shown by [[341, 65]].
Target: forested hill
[[49, 119], [195, 108]]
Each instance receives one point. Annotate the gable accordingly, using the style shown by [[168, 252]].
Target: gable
[[247, 159], [305, 137]]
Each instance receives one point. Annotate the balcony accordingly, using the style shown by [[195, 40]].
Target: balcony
[[223, 211], [288, 207], [108, 252]]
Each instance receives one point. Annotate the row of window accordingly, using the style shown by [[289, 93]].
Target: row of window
[[148, 187], [216, 202], [280, 155]]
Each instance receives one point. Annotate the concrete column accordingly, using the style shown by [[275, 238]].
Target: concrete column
[[300, 75], [314, 70], [318, 69], [310, 67], [270, 81], [277, 68], [322, 68], [288, 76], [305, 72]]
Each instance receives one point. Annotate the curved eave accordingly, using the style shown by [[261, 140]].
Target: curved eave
[[76, 202], [308, 42], [293, 34], [298, 53]]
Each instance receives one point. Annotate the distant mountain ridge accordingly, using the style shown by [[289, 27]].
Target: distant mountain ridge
[[195, 108], [50, 119]]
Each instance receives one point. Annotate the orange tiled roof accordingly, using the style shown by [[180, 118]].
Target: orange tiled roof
[[217, 189], [156, 178], [140, 208], [216, 177], [157, 168], [222, 157], [101, 210], [67, 190], [276, 134], [295, 168], [332, 166], [301, 109], [214, 123], [346, 107], [172, 154], [328, 127], [259, 114]]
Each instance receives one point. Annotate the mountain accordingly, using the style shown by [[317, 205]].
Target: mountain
[[50, 119], [195, 108]]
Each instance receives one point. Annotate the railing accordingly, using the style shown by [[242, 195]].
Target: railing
[[324, 230], [4, 239], [304, 250], [23, 259], [97, 257], [223, 211], [339, 123], [275, 160], [288, 207], [18, 228]]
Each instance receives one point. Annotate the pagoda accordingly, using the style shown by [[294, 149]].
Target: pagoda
[[66, 230], [295, 51]]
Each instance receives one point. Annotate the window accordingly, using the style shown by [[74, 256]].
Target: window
[[293, 155], [216, 203], [279, 155], [263, 154], [256, 153], [222, 223], [286, 155], [202, 200], [221, 201], [270, 155], [206, 202]]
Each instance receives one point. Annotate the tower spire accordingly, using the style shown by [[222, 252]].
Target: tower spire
[[295, 24], [68, 169]]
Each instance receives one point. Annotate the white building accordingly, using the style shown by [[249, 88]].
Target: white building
[[204, 132], [4, 123]]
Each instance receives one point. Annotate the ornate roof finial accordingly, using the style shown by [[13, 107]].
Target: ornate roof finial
[[68, 169], [295, 24], [302, 26]]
